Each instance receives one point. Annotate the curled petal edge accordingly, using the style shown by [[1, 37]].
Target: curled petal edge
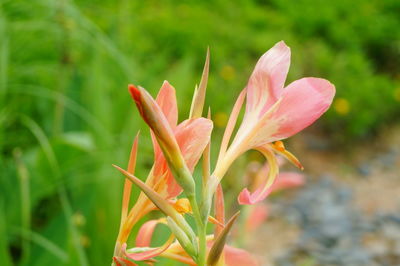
[[247, 198]]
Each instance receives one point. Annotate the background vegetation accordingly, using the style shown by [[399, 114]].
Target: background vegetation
[[65, 114]]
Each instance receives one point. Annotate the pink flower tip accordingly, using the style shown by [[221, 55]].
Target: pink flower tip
[[135, 92], [246, 198], [281, 44]]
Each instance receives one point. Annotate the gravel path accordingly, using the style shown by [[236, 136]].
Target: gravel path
[[347, 214]]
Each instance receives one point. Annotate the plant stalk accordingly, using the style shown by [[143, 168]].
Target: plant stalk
[[201, 231]]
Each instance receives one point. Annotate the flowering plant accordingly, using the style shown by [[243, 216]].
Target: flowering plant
[[273, 113]]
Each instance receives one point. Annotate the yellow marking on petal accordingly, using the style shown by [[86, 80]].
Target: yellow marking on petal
[[162, 220], [279, 148], [341, 106], [273, 167], [278, 145], [247, 139], [183, 206]]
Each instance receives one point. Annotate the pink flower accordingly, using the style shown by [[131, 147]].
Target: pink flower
[[184, 143], [188, 140], [273, 113]]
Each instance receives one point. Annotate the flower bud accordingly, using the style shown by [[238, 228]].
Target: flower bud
[[155, 119]]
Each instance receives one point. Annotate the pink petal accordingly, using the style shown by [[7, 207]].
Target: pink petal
[[238, 257], [303, 102], [283, 181], [166, 99], [192, 137], [143, 238], [258, 214], [267, 80], [247, 198], [288, 180], [264, 88]]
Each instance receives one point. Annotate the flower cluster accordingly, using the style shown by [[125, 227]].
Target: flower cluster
[[272, 113]]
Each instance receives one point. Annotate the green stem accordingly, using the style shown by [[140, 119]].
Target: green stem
[[202, 245], [201, 231]]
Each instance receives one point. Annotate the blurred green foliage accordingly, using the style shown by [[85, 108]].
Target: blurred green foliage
[[65, 114]]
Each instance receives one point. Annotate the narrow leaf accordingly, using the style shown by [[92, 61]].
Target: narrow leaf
[[183, 239], [196, 109], [128, 183], [219, 243], [23, 175], [219, 209], [231, 124], [161, 203], [38, 239]]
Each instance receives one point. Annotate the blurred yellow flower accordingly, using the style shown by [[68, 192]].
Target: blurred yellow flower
[[396, 94], [78, 219], [220, 119], [341, 106], [227, 72], [85, 240]]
